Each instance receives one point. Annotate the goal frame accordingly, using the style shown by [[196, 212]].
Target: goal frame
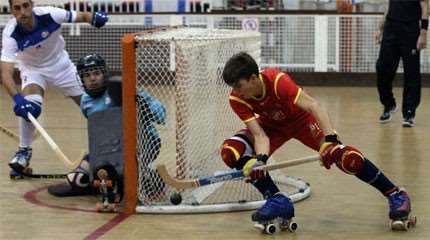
[[130, 133], [129, 122]]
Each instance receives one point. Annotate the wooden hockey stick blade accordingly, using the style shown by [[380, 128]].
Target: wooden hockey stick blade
[[52, 175], [202, 181], [45, 176], [79, 160], [52, 144]]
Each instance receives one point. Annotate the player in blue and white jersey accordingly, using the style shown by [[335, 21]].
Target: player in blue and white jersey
[[32, 39]]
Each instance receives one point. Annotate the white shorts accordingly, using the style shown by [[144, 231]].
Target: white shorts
[[62, 75]]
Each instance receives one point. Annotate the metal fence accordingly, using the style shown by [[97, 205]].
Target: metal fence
[[180, 6], [300, 43], [128, 6]]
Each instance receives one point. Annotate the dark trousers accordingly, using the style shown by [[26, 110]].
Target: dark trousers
[[399, 40]]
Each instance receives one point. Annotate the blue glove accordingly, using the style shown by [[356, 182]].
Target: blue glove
[[99, 19], [23, 106]]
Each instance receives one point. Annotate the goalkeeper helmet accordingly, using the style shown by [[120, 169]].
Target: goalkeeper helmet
[[88, 64]]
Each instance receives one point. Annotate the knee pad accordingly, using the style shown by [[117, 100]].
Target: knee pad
[[36, 101], [236, 150], [349, 160]]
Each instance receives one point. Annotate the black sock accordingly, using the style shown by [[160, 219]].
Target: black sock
[[373, 176], [266, 186]]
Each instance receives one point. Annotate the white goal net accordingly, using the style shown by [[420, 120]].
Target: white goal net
[[182, 69]]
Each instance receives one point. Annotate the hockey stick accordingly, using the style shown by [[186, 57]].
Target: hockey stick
[[49, 175], [52, 144], [45, 176], [202, 181], [9, 133], [14, 136], [54, 175]]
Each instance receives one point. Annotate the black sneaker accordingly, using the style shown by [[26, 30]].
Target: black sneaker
[[387, 114], [408, 119]]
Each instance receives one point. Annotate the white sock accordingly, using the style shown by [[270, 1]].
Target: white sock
[[26, 129]]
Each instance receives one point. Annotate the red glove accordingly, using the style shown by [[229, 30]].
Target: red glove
[[329, 150]]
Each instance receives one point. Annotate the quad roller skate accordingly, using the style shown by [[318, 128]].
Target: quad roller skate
[[108, 189], [20, 163], [275, 215], [400, 209], [14, 175], [278, 224]]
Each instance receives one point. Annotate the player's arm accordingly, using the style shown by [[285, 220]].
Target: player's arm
[[246, 113], [292, 95], [84, 17], [151, 108], [261, 148], [157, 109], [97, 19], [312, 106], [422, 39], [7, 70], [22, 106], [261, 141], [330, 144], [8, 58]]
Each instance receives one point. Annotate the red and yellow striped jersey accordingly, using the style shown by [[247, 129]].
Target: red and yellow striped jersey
[[277, 106]]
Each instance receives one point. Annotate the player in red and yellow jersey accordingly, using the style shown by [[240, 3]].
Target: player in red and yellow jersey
[[273, 104], [275, 110]]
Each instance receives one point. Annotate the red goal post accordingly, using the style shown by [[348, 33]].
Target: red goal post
[[129, 122]]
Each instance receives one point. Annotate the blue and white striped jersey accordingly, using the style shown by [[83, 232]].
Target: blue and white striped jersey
[[41, 47]]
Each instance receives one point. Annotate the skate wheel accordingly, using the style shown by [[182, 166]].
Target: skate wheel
[[113, 207], [99, 207], [292, 226], [16, 177], [407, 224], [400, 225], [270, 228], [259, 226], [413, 221], [109, 183], [96, 183], [28, 171]]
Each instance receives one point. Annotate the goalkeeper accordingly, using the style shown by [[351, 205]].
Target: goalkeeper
[[101, 94], [275, 110]]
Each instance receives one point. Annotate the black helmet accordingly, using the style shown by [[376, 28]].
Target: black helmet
[[92, 62]]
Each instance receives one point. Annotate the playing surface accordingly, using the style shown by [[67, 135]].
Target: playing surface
[[340, 206]]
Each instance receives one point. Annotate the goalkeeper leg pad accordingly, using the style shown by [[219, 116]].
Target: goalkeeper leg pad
[[106, 144]]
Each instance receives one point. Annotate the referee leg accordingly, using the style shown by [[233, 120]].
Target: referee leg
[[386, 66], [411, 64]]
